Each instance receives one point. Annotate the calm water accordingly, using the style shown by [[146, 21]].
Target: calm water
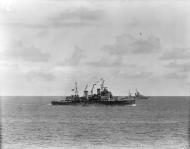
[[32, 123]]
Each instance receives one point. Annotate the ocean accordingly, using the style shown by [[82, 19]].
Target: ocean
[[33, 123]]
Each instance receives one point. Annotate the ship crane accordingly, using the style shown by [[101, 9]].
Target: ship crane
[[85, 90], [86, 87]]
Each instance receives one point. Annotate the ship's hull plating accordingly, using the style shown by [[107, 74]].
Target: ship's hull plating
[[102, 102]]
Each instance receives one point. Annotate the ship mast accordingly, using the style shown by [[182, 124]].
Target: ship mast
[[129, 94], [76, 89], [86, 87]]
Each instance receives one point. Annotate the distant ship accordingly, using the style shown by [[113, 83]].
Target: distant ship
[[138, 95], [103, 96]]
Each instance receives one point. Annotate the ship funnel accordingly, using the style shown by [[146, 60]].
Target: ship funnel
[[86, 92], [92, 89], [86, 95], [98, 91]]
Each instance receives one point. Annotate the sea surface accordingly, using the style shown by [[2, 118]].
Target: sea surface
[[33, 123]]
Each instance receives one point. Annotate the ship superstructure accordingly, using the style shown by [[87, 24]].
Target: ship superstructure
[[102, 96]]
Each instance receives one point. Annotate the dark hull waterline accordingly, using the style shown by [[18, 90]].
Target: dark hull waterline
[[123, 102]]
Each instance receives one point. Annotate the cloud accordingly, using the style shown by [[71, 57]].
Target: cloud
[[107, 61], [127, 44], [176, 54], [182, 67], [40, 75], [80, 14], [177, 75], [135, 75], [77, 17], [19, 51], [75, 59], [180, 70]]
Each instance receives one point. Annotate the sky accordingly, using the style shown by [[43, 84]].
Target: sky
[[47, 45]]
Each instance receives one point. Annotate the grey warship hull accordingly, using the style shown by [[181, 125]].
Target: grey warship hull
[[98, 102]]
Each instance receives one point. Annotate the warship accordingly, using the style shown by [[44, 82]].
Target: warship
[[102, 96], [138, 95]]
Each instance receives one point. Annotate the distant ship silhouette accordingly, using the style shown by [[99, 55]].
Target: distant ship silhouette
[[138, 95]]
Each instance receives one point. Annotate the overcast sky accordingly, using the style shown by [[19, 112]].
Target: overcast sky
[[47, 45]]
